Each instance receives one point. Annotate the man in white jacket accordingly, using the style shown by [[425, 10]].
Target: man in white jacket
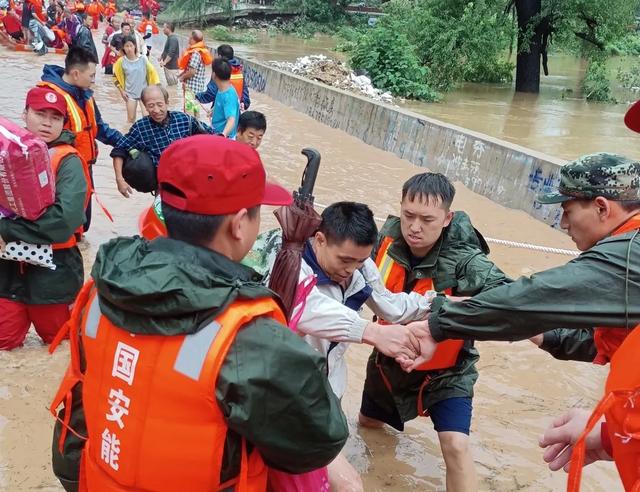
[[339, 255]]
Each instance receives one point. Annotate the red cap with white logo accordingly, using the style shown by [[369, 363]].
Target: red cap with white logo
[[40, 98]]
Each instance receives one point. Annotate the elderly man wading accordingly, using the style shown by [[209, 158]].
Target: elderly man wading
[[154, 133]]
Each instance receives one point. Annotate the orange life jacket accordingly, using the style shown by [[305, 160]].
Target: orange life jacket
[[237, 81], [93, 9], [142, 28], [153, 423], [607, 340], [81, 122], [393, 276], [621, 408], [199, 47], [79, 7], [58, 154], [36, 5], [110, 9], [150, 226]]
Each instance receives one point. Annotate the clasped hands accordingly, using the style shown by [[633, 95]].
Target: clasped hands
[[410, 345]]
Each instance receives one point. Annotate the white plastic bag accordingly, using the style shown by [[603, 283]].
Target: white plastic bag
[[34, 254]]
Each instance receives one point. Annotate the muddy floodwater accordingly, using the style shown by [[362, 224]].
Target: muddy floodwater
[[520, 388], [558, 121]]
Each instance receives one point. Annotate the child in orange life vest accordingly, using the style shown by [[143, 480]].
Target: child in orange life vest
[[33, 294], [251, 128]]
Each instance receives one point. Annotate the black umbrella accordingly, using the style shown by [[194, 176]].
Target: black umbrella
[[299, 221]]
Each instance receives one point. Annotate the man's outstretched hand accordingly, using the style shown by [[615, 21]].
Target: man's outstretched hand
[[427, 346], [559, 438]]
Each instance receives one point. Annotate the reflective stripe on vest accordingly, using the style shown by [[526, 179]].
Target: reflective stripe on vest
[[150, 400], [93, 319], [58, 154], [82, 123], [607, 340], [194, 350], [192, 353], [393, 276]]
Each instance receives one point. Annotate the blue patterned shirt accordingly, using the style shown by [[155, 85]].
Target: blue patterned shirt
[[148, 136]]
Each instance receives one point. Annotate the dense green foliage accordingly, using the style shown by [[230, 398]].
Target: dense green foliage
[[596, 84], [473, 41], [438, 43], [424, 47], [226, 35], [392, 64]]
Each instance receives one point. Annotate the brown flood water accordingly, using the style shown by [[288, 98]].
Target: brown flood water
[[558, 121], [520, 387]]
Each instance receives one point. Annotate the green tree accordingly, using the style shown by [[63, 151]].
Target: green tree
[[455, 40], [579, 24], [392, 64]]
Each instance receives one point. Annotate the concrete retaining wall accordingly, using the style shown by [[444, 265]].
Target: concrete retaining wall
[[505, 173]]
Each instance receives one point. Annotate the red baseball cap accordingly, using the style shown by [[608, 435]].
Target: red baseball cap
[[212, 175], [632, 118], [40, 98]]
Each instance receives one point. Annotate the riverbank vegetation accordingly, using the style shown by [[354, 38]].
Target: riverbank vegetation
[[457, 41], [422, 49]]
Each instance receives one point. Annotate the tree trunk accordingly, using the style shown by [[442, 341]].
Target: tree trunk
[[528, 62]]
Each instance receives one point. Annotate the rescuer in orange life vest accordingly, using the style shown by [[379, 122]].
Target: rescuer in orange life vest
[[73, 83], [183, 374], [430, 247], [593, 297], [35, 294]]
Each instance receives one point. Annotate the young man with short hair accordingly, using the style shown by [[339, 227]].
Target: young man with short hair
[[431, 248], [35, 294], [170, 54], [600, 198], [226, 108], [251, 128], [73, 84], [347, 279]]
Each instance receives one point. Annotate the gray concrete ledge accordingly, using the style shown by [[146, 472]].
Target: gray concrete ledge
[[506, 173]]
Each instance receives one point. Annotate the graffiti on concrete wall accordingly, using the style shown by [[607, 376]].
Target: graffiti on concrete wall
[[507, 175], [462, 162], [254, 79], [545, 182]]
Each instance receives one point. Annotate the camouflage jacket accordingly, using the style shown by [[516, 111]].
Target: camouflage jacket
[[598, 288], [457, 261]]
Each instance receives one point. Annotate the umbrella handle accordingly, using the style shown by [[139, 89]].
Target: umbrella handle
[[305, 192]]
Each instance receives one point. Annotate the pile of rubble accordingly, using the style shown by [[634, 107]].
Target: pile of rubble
[[334, 73]]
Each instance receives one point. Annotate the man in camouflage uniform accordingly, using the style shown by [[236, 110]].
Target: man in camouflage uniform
[[600, 198], [623, 183], [430, 247], [600, 195]]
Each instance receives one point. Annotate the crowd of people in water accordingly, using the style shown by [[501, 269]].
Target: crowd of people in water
[[189, 370]]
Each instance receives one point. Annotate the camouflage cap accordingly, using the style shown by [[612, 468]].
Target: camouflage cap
[[611, 176]]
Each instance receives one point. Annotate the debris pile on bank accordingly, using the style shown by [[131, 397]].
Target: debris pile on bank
[[333, 73]]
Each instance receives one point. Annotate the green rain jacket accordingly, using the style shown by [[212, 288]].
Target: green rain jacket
[[457, 261], [30, 284], [167, 287], [601, 287]]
